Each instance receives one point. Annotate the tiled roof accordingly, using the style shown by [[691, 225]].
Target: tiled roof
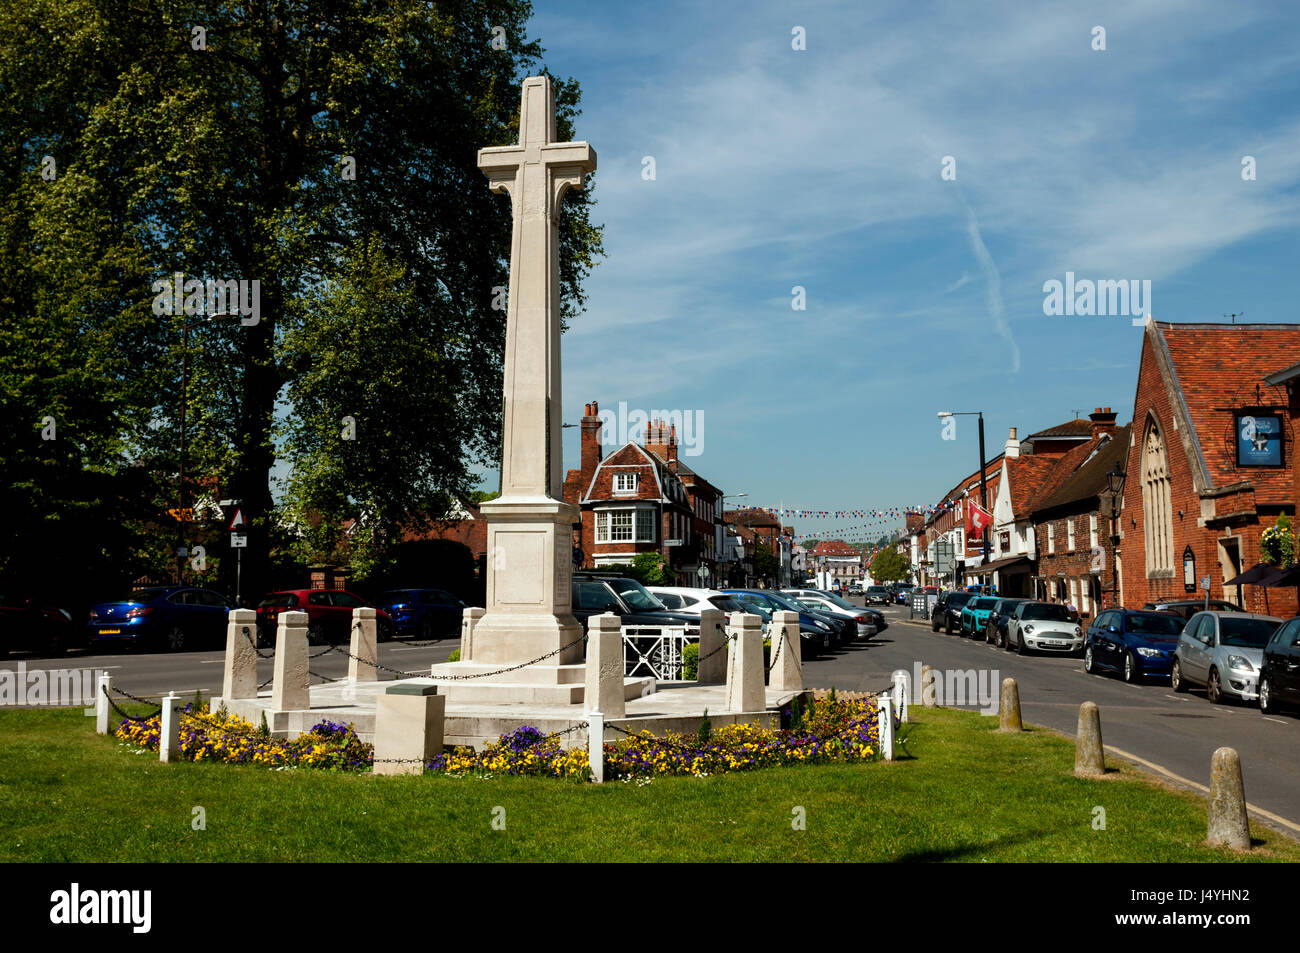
[[1090, 479], [1057, 475], [1025, 476], [1078, 427], [1216, 368]]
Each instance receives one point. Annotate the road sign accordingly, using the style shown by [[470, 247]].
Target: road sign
[[238, 541], [237, 521]]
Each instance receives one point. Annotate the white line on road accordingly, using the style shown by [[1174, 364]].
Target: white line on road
[[1276, 721]]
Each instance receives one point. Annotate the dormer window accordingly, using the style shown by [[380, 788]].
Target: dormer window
[[625, 482]]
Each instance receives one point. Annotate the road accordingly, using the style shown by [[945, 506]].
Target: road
[[1176, 731]]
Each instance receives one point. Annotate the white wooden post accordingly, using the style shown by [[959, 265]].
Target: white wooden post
[[596, 745], [101, 703], [886, 729], [902, 689], [169, 739]]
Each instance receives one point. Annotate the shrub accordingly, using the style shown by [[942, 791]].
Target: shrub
[[454, 656], [1277, 543], [691, 661]]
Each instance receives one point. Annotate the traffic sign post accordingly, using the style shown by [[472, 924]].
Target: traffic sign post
[[238, 542]]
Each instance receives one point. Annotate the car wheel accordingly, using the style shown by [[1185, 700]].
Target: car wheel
[[1020, 645], [174, 639], [385, 631], [316, 633], [934, 625], [1089, 663], [1213, 690], [1176, 680], [1266, 705], [426, 630], [1131, 671]]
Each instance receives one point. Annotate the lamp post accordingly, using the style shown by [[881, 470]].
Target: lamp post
[[984, 492], [1115, 483]]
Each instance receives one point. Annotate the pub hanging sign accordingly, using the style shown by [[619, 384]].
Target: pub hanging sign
[[1259, 437]]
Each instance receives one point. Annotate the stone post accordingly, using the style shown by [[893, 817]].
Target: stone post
[[409, 720], [713, 658], [902, 692], [787, 665], [1228, 824], [239, 673], [363, 650], [469, 618], [291, 689], [603, 691], [885, 723], [102, 707], [1009, 709], [596, 744], [169, 739], [745, 664], [1089, 756], [927, 687]]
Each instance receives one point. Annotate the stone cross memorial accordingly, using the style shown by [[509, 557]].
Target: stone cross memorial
[[529, 526]]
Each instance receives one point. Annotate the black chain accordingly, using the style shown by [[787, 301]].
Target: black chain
[[124, 716], [723, 645]]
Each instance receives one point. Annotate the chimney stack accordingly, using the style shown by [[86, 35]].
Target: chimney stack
[[590, 443], [1012, 449], [1103, 422], [672, 447]]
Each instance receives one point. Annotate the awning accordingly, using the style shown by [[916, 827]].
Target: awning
[[1260, 574], [1004, 563]]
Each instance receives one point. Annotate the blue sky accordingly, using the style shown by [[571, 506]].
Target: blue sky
[[821, 168]]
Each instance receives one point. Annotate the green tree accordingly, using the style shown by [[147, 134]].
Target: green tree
[[766, 565], [231, 156], [889, 565]]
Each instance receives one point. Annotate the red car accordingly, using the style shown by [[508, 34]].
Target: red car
[[329, 615], [26, 623]]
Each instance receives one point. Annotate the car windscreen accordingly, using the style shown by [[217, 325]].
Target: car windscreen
[[785, 602], [1246, 633], [398, 597], [982, 604], [1046, 612], [1153, 623], [278, 600], [635, 595], [142, 596], [726, 604], [838, 601], [958, 599]]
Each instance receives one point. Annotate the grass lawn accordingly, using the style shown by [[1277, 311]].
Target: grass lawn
[[969, 794]]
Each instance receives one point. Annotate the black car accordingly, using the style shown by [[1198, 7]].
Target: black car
[[1189, 607], [947, 611], [995, 629], [594, 593], [877, 594], [1279, 677]]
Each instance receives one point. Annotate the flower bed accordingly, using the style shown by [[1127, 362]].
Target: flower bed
[[828, 731]]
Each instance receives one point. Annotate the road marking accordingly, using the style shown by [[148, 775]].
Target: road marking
[[1276, 721], [1275, 818], [79, 668]]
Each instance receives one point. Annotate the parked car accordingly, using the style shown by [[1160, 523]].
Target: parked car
[[974, 615], [875, 621], [854, 622], [1189, 607], [1223, 651], [1043, 626], [30, 625], [855, 588], [595, 593], [693, 601], [1279, 677], [903, 594], [329, 615], [814, 633], [161, 618], [877, 594], [947, 611], [1135, 642], [995, 626], [426, 613]]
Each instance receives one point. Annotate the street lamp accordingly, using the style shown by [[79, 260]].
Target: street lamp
[[1115, 483], [984, 493]]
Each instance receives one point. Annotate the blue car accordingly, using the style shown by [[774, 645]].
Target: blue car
[[162, 618], [426, 613], [1137, 643]]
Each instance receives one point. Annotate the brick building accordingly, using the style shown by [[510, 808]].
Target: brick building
[[1211, 462], [762, 527], [836, 563]]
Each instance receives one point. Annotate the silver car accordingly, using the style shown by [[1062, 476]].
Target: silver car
[[1043, 627], [1224, 651]]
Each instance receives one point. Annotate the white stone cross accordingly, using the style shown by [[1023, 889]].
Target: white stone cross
[[535, 173]]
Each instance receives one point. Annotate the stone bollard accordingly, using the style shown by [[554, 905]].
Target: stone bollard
[[713, 658], [364, 650], [927, 687], [291, 690], [603, 690], [596, 745], [787, 664], [102, 708], [1009, 710], [239, 672], [1089, 756], [885, 725], [409, 720], [169, 738], [902, 690], [1228, 824], [468, 620], [745, 664]]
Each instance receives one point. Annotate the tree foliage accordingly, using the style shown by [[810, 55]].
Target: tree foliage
[[889, 565]]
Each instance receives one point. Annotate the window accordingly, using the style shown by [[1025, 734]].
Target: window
[[620, 526], [645, 526], [625, 482], [1092, 529], [1051, 538], [1069, 534], [1156, 505]]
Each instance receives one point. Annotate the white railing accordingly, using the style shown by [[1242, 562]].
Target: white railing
[[657, 649]]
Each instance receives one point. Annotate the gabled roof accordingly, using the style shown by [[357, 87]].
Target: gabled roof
[[1025, 478], [1078, 427], [1055, 478], [1089, 479]]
